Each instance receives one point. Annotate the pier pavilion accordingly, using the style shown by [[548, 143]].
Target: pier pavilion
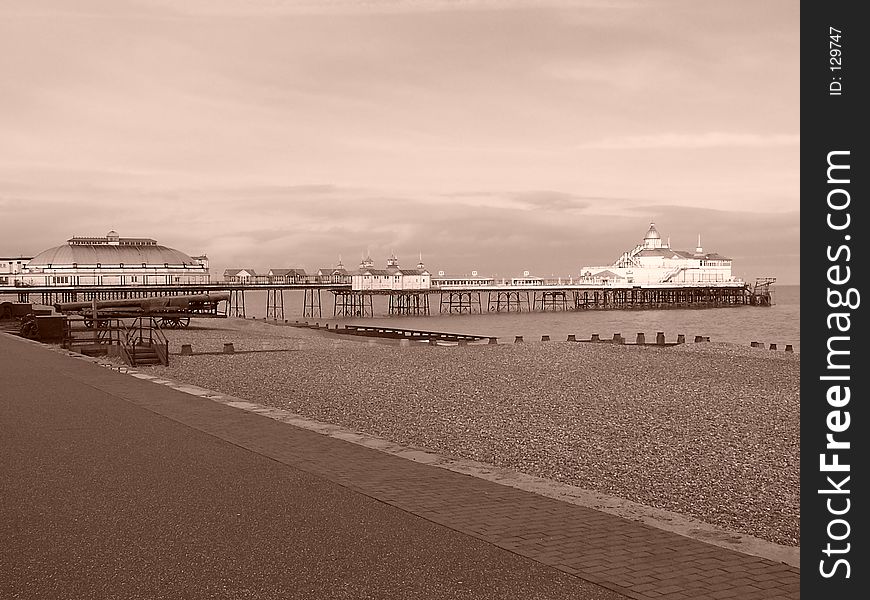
[[113, 261], [654, 261]]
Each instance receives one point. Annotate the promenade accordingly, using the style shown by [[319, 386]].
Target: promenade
[[115, 487]]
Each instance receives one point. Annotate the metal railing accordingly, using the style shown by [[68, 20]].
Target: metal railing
[[145, 332]]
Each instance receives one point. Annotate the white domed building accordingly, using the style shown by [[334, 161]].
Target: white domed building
[[654, 261], [113, 260]]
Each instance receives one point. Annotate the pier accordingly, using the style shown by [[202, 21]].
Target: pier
[[348, 302]]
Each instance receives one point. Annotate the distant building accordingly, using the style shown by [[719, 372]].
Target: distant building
[[11, 268], [391, 278], [113, 260], [240, 276], [336, 274], [442, 280], [527, 279], [286, 276], [654, 261]]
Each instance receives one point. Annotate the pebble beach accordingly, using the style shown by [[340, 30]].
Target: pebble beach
[[708, 430]]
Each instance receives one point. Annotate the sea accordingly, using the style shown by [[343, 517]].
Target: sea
[[777, 324]]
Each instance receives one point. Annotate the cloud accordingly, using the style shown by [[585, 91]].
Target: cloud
[[712, 139], [552, 201], [282, 7]]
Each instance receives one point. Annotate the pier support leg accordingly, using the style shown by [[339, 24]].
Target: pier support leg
[[237, 303], [275, 305], [311, 303]]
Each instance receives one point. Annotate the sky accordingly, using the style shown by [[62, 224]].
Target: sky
[[488, 135]]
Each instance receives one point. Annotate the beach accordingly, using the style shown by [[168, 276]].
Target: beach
[[708, 430]]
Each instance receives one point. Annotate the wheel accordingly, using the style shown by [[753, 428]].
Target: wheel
[[30, 329], [174, 322]]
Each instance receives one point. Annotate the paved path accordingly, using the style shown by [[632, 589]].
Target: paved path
[[114, 487]]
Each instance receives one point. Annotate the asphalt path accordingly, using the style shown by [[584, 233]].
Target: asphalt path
[[102, 498]]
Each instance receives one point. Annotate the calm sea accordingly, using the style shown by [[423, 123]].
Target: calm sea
[[778, 324]]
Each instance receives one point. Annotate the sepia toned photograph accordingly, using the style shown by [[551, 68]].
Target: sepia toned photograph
[[400, 299]]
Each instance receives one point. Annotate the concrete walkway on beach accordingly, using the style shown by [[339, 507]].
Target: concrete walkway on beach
[[116, 487]]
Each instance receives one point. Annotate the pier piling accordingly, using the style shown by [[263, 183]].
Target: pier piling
[[229, 348], [518, 339], [595, 337], [545, 338], [493, 340], [572, 337], [186, 350], [660, 338], [789, 348], [681, 338], [641, 339], [773, 346]]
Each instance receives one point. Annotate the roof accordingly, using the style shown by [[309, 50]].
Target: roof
[[375, 272], [668, 253], [234, 272], [652, 233], [448, 276], [104, 254], [665, 252], [607, 274], [287, 271]]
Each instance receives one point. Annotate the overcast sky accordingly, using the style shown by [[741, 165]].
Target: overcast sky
[[493, 135]]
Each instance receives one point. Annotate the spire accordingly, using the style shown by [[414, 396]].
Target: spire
[[699, 249]]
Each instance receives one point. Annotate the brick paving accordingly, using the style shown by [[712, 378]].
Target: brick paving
[[627, 557]]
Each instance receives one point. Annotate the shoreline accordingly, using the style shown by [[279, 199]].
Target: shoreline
[[634, 430]]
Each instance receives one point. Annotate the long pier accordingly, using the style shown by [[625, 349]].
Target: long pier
[[348, 302]]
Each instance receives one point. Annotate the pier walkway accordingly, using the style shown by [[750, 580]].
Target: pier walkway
[[115, 487]]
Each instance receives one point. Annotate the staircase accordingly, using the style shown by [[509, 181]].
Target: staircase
[[144, 343], [138, 344], [144, 354], [93, 337]]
